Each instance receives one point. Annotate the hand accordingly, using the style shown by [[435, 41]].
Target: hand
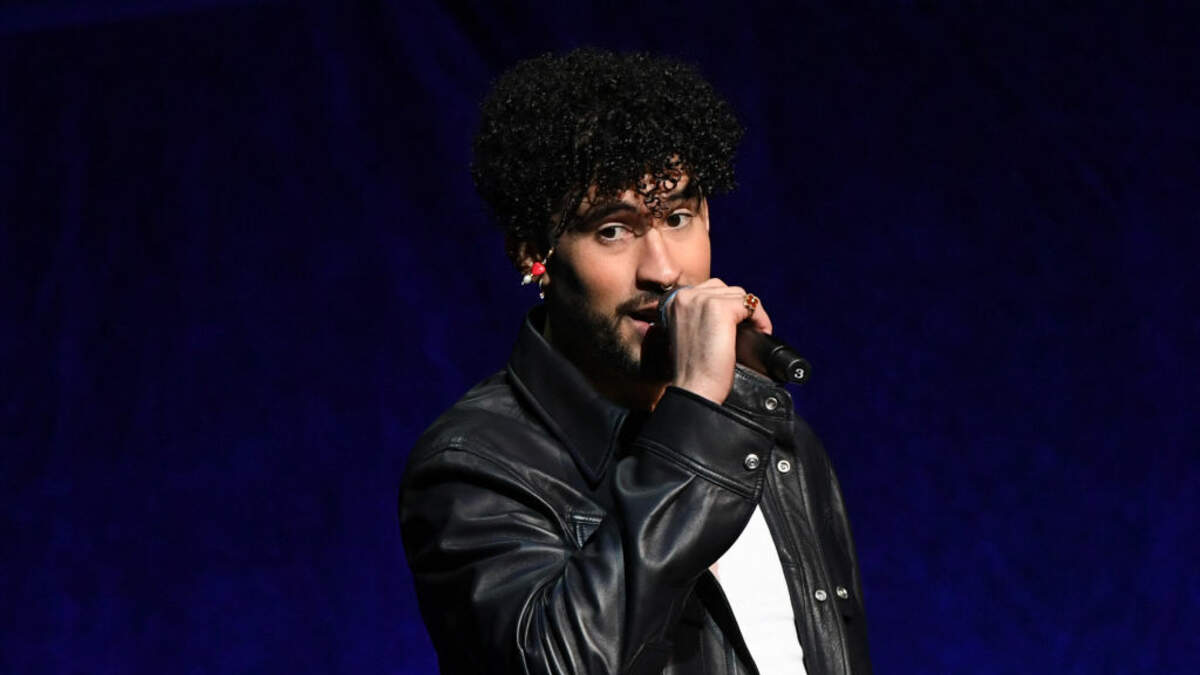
[[703, 322]]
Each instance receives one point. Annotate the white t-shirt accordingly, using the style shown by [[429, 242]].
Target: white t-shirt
[[752, 578]]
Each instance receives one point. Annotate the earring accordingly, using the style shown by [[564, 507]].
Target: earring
[[537, 271]]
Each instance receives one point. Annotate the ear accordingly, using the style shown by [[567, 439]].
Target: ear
[[704, 212]]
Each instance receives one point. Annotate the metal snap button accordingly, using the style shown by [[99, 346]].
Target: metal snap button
[[771, 403], [820, 595], [751, 462], [783, 465], [842, 592]]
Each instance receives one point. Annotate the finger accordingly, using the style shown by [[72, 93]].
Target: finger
[[698, 295], [762, 321], [755, 313]]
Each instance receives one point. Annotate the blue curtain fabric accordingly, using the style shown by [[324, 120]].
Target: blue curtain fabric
[[243, 266]]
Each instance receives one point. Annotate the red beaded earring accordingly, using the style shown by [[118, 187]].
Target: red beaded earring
[[537, 272]]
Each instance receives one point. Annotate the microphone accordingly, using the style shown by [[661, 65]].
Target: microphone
[[769, 355], [757, 350]]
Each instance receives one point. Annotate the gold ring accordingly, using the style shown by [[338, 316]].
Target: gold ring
[[750, 302]]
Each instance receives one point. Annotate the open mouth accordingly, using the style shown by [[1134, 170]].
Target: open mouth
[[646, 322]]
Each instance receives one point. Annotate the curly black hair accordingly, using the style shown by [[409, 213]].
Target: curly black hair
[[555, 125]]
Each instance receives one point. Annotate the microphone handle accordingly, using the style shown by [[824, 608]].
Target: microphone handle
[[769, 355]]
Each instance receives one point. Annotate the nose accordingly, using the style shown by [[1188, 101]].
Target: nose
[[657, 266]]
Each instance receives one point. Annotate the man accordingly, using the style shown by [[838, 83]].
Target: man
[[622, 498]]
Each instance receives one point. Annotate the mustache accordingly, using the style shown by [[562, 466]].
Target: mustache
[[640, 301]]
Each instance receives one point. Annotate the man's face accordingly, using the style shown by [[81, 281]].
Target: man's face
[[608, 273]]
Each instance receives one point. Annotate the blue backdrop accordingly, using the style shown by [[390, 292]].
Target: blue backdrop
[[244, 266]]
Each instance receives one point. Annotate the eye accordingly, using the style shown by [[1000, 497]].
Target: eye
[[613, 232], [679, 219]]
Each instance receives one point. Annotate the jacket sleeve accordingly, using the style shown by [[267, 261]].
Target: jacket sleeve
[[504, 589], [845, 537]]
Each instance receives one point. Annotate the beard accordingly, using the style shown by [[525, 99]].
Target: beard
[[593, 341]]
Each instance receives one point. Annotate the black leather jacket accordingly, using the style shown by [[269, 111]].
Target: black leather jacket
[[551, 531]]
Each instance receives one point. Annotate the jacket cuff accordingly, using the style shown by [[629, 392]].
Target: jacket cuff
[[717, 442]]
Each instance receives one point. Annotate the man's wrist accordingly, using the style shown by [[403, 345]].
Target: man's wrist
[[712, 391]]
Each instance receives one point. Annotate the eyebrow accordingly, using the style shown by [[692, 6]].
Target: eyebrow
[[603, 212]]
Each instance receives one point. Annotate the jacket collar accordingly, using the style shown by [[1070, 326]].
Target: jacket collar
[[582, 419]]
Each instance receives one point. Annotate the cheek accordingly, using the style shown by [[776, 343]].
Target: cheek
[[607, 285], [599, 280], [697, 260]]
